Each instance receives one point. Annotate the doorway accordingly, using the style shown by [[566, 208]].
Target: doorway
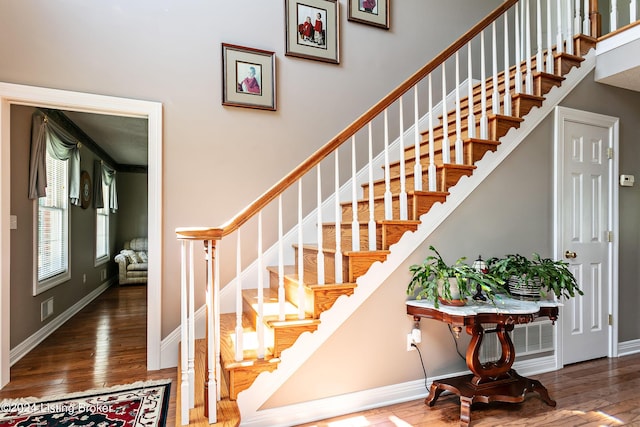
[[586, 225], [11, 94]]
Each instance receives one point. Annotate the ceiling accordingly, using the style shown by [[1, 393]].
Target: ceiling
[[124, 139]]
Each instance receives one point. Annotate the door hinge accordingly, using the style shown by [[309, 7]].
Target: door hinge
[[609, 236], [609, 153], [611, 320]]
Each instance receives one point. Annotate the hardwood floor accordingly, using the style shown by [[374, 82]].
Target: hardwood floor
[[105, 344], [601, 392], [102, 345]]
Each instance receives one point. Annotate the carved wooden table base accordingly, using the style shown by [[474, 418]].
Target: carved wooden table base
[[490, 381]]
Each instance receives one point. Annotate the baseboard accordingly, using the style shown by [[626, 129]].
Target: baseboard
[[628, 347], [20, 350], [169, 347]]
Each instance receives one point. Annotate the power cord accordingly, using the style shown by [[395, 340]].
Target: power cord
[[422, 363], [455, 341]]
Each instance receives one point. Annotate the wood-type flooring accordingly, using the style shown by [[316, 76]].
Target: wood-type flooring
[[105, 345]]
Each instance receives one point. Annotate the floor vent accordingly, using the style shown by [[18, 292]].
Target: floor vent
[[46, 309]]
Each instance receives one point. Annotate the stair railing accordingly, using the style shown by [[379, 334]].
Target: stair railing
[[620, 14], [324, 202]]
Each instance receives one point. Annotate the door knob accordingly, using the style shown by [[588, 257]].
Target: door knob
[[569, 254]]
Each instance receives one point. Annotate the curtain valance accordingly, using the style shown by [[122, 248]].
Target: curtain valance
[[47, 135], [104, 173]]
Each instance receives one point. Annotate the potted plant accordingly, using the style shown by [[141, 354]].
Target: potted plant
[[439, 282], [533, 278]]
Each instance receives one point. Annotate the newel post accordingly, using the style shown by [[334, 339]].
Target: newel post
[[596, 19]]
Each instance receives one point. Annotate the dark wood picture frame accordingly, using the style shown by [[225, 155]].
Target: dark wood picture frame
[[303, 39], [248, 77], [86, 189], [370, 12]]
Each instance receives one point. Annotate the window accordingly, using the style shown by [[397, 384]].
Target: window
[[102, 228], [52, 251]]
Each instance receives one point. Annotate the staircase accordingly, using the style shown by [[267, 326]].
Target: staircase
[[287, 299]]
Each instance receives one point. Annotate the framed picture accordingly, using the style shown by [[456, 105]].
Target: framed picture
[[370, 12], [312, 29], [248, 77]]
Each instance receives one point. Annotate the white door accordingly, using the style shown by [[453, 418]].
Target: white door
[[585, 163]]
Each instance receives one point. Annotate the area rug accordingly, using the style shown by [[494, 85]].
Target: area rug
[[138, 404]]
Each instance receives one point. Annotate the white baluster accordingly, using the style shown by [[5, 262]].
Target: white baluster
[[417, 167], [320, 256], [484, 120], [518, 76], [633, 11], [559, 39], [239, 356], [539, 54], [403, 174], [577, 23], [432, 165], [300, 255], [338, 214], [212, 368], [372, 203], [614, 15], [529, 76], [281, 294], [586, 23], [569, 32], [458, 144], [446, 148], [259, 321], [388, 199], [185, 404], [506, 100], [216, 298], [192, 328], [471, 118], [495, 94], [355, 224], [550, 61]]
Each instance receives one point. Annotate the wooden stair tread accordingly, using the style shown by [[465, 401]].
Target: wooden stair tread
[[271, 308], [227, 350]]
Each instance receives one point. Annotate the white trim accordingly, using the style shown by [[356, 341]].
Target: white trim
[[627, 348], [169, 348], [370, 399], [563, 114], [20, 350], [60, 99], [610, 43], [267, 383]]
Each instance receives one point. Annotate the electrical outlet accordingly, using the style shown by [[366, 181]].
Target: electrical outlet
[[410, 347]]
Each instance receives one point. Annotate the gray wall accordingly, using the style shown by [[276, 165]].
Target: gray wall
[[511, 211], [25, 308], [218, 159], [132, 207]]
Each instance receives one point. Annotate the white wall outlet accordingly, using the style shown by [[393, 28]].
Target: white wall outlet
[[410, 347], [416, 335]]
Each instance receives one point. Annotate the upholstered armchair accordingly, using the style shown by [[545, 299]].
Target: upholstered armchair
[[133, 262]]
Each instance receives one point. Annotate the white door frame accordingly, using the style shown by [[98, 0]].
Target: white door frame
[[12, 94], [563, 114]]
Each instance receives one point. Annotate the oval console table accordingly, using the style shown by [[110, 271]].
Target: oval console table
[[490, 381]]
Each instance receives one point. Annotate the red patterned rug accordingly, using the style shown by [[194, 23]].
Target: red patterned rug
[[139, 404]]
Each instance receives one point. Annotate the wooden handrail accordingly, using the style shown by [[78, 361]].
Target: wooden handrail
[[261, 202]]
